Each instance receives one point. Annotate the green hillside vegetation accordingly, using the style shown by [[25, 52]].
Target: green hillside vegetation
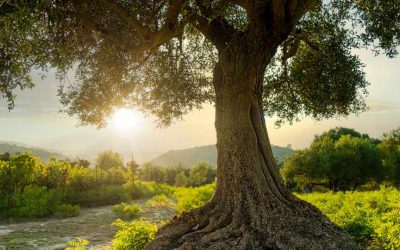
[[190, 156], [44, 155]]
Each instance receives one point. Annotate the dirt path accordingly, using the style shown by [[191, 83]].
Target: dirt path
[[93, 224]]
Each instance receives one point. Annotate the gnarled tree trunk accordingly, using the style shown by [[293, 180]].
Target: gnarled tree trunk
[[251, 208]]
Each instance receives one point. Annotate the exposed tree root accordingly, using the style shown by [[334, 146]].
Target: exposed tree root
[[226, 227]]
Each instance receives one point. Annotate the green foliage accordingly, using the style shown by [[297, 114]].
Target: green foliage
[[149, 67], [335, 160], [56, 174], [34, 201], [390, 148], [66, 210], [149, 172], [181, 180], [188, 198], [160, 201], [371, 217], [109, 159], [20, 171], [133, 235], [201, 174], [103, 195], [77, 244], [128, 211], [142, 189]]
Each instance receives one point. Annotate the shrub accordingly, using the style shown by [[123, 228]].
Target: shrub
[[126, 211], [133, 235], [104, 195], [160, 201], [147, 189], [368, 216], [77, 244], [188, 198], [33, 202], [66, 210]]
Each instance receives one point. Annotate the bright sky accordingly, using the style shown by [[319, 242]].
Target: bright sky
[[36, 121]]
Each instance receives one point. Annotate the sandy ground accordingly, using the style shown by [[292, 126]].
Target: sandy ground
[[93, 224]]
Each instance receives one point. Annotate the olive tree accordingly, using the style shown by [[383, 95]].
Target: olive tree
[[250, 58]]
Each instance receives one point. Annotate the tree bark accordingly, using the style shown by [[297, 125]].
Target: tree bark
[[251, 208]]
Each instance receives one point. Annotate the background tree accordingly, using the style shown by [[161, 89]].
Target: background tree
[[133, 169], [339, 164], [390, 148], [201, 174], [286, 58], [181, 180], [56, 174], [149, 172], [83, 163], [108, 159]]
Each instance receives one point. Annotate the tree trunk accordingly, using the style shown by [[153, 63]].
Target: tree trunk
[[251, 208]]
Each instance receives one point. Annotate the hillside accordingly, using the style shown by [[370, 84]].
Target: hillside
[[43, 154], [188, 157]]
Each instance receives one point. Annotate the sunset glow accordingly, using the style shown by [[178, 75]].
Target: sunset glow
[[126, 120]]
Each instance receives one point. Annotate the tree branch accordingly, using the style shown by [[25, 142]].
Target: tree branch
[[95, 27], [122, 13], [212, 25]]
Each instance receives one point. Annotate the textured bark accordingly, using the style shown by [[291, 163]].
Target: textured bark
[[251, 208]]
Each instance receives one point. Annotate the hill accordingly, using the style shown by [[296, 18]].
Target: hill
[[190, 156], [44, 155]]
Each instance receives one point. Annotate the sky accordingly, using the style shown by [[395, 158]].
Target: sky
[[36, 121]]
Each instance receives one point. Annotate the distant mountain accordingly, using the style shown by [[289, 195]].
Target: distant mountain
[[190, 156], [44, 155]]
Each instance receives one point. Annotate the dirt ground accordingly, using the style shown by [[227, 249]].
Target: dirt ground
[[93, 224]]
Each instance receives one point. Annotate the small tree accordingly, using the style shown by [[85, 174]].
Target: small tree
[[57, 173], [25, 169], [181, 180], [133, 169], [390, 148], [108, 159], [149, 172], [201, 174], [342, 164]]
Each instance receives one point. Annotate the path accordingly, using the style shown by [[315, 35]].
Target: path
[[93, 224]]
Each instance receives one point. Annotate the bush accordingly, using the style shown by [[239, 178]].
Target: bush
[[133, 235], [78, 244], [104, 195], [188, 198], [34, 202], [144, 189], [66, 210], [160, 201], [126, 211]]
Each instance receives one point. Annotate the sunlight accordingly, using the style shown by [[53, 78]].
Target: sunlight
[[126, 120]]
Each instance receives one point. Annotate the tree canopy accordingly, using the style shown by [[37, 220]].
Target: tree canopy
[[109, 160], [340, 163], [158, 55]]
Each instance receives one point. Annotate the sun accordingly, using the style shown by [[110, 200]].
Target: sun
[[126, 120]]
